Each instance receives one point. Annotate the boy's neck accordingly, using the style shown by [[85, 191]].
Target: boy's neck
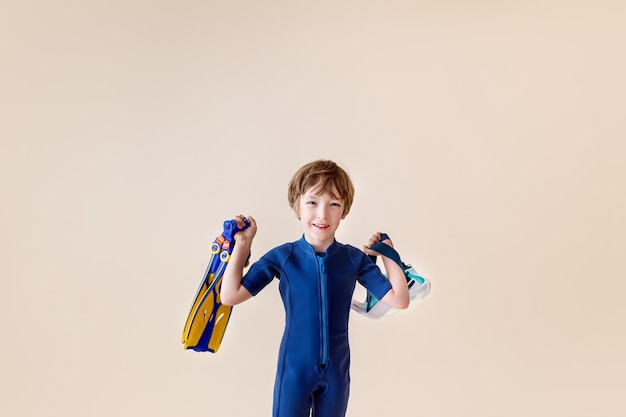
[[319, 246]]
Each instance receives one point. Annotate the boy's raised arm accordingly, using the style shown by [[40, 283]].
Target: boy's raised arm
[[232, 292], [398, 296]]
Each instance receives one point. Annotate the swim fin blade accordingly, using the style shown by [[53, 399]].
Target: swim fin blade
[[208, 317]]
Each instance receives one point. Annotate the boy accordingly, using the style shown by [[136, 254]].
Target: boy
[[317, 279]]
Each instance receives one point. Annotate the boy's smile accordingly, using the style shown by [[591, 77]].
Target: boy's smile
[[320, 215]]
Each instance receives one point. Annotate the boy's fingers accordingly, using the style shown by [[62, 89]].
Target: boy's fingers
[[241, 220]]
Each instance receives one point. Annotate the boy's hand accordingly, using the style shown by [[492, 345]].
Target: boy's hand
[[374, 240], [248, 234]]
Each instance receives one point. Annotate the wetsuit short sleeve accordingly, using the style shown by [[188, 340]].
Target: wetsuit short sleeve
[[370, 275], [262, 272]]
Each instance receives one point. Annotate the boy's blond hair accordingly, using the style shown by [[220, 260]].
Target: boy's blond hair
[[328, 177]]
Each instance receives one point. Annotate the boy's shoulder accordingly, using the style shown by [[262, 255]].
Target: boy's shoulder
[[347, 246], [345, 250]]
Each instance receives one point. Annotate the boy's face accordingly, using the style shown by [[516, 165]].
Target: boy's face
[[320, 215]]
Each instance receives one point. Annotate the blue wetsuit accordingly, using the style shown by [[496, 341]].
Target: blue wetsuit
[[314, 357]]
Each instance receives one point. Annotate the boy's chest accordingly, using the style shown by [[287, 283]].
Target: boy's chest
[[314, 278]]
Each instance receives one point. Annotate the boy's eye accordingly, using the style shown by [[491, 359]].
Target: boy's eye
[[335, 204]]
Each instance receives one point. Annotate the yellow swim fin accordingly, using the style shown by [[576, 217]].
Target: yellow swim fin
[[208, 318]]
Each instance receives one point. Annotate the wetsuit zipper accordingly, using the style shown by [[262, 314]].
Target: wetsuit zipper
[[321, 260]]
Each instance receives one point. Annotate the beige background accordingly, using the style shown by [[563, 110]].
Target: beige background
[[486, 137]]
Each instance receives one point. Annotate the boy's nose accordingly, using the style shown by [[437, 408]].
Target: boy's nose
[[321, 212]]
